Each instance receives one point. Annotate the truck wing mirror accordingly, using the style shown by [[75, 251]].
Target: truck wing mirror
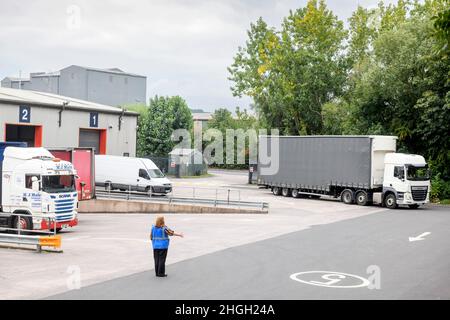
[[35, 185]]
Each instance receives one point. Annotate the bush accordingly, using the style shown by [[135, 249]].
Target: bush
[[440, 189]]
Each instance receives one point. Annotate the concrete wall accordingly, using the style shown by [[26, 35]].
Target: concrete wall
[[127, 206], [117, 142]]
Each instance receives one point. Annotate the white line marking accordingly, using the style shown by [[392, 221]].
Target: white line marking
[[419, 237], [76, 238]]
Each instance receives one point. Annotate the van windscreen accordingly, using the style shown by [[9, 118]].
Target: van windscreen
[[155, 173]]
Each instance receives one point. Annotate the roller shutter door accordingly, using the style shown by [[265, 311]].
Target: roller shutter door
[[90, 139]]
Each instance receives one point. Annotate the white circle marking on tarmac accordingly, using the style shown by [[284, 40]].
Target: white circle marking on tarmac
[[332, 278]]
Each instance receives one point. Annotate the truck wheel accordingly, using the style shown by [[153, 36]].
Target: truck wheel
[[286, 192], [390, 201], [276, 191], [295, 193], [347, 196], [361, 198], [413, 206], [25, 223]]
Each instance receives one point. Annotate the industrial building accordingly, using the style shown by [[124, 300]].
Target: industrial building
[[54, 121], [112, 87]]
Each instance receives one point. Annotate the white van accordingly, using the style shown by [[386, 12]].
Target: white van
[[124, 173]]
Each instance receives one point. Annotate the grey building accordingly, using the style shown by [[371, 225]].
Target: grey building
[[54, 121], [16, 83], [112, 87]]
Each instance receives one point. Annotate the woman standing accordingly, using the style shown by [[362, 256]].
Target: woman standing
[[160, 241]]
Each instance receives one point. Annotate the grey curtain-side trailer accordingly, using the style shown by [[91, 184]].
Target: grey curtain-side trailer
[[356, 169]]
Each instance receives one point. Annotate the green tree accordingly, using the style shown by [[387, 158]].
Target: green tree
[[157, 123], [403, 88], [291, 73], [224, 120]]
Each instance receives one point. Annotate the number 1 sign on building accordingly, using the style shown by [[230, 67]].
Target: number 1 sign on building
[[93, 120]]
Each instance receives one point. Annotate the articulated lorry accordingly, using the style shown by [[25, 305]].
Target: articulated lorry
[[38, 186], [354, 169]]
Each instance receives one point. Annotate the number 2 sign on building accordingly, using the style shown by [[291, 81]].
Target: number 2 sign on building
[[93, 120], [24, 114]]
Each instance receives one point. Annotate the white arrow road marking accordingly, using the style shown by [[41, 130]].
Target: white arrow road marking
[[419, 237]]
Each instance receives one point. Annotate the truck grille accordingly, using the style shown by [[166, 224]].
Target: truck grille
[[64, 209], [419, 193]]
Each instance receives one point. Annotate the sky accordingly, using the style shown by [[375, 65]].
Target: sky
[[183, 47]]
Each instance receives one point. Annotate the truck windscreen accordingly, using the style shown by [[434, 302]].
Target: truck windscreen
[[58, 183], [418, 173]]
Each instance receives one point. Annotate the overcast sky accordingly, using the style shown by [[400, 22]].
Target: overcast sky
[[183, 46]]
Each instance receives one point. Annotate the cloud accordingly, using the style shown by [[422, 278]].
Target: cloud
[[183, 47]]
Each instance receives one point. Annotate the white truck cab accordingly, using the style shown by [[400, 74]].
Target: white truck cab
[[406, 180], [35, 183]]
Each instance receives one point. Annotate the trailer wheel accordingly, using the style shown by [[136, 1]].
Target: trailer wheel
[[295, 193], [347, 196], [276, 191], [286, 192], [390, 201], [361, 198]]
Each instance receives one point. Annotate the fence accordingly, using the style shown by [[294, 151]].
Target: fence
[[226, 197], [161, 162], [46, 238]]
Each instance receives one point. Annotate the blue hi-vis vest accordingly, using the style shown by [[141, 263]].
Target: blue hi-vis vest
[[160, 240]]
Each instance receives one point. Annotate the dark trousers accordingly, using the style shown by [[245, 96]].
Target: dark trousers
[[160, 261]]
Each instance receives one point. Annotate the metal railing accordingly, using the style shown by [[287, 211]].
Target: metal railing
[[194, 195], [20, 236]]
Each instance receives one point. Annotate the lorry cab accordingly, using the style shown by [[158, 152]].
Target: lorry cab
[[406, 180], [37, 184]]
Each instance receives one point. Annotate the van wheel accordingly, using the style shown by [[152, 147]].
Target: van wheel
[[361, 198], [149, 191], [276, 191], [347, 196], [390, 201], [286, 192], [295, 193]]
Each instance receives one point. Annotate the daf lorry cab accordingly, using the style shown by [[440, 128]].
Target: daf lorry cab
[[354, 169], [406, 180], [129, 173], [39, 187]]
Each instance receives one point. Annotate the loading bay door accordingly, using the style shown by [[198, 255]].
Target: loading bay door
[[93, 138], [30, 134]]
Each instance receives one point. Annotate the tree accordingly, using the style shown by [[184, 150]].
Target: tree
[[223, 120], [403, 89], [157, 123], [291, 73]]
